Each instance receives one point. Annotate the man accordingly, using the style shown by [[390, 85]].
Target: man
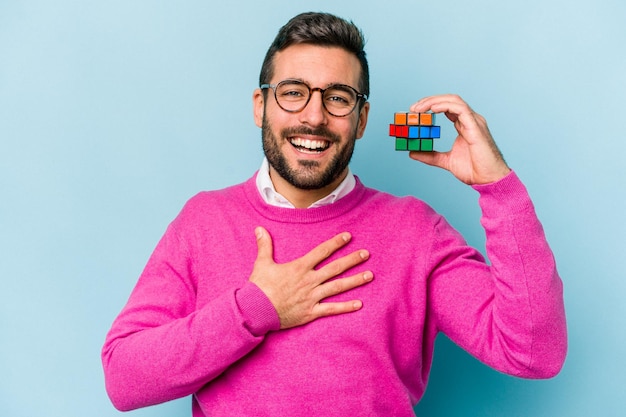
[[303, 292]]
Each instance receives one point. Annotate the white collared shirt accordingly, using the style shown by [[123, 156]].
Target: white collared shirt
[[273, 198]]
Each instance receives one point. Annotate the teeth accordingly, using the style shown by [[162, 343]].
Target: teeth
[[319, 145]]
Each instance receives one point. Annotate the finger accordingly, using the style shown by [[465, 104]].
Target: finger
[[339, 266], [434, 103], [471, 126], [452, 110], [264, 244], [325, 249], [434, 158], [453, 107], [338, 286], [333, 309]]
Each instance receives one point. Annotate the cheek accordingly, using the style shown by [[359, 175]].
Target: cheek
[[276, 119], [353, 131]]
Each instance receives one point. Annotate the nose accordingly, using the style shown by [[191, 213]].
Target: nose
[[314, 113]]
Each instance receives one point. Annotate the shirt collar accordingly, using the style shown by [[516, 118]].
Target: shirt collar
[[272, 197]]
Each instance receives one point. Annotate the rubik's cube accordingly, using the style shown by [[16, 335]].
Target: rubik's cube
[[414, 131]]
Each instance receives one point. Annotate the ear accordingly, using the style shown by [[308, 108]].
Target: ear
[[362, 122], [258, 105]]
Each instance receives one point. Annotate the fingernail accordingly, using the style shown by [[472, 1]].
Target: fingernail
[[258, 233], [364, 254], [357, 304], [346, 237], [368, 276]]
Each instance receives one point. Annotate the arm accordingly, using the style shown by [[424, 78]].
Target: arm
[[161, 347], [509, 314]]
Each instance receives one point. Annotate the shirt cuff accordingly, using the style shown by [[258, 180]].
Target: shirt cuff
[[258, 312], [507, 195]]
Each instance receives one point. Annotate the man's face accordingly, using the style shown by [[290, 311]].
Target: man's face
[[310, 149]]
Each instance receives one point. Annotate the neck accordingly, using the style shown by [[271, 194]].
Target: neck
[[299, 197]]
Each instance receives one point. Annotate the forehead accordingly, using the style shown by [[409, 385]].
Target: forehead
[[317, 65]]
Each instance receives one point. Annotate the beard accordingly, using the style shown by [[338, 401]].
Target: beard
[[307, 174]]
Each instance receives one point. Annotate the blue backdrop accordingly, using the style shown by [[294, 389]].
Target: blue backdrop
[[113, 113]]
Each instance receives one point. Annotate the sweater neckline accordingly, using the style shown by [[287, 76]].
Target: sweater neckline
[[303, 215]]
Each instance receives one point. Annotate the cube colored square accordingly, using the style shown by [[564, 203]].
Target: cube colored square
[[402, 131], [414, 132], [425, 131], [401, 144], [400, 118], [392, 130], [413, 119], [426, 119], [427, 145], [414, 145], [435, 132]]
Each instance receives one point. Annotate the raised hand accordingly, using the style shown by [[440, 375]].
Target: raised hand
[[474, 157], [296, 289]]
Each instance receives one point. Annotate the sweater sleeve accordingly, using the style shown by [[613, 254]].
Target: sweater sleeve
[[161, 347], [509, 314]]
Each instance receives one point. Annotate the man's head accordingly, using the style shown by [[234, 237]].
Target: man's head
[[310, 146], [321, 29]]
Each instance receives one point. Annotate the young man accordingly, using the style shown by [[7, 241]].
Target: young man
[[303, 292]]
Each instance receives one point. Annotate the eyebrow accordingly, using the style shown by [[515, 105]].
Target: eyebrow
[[309, 84]]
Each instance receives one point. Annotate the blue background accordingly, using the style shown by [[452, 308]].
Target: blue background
[[114, 113]]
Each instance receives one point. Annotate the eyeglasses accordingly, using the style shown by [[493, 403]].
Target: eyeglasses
[[293, 96]]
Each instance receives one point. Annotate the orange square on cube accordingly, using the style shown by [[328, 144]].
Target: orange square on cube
[[400, 118], [413, 119], [426, 118]]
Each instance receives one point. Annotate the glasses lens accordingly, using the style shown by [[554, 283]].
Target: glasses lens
[[340, 100], [292, 95]]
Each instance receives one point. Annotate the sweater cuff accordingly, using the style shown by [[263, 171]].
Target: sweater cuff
[[258, 312], [505, 195]]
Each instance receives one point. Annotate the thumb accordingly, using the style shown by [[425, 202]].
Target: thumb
[[264, 244], [434, 158]]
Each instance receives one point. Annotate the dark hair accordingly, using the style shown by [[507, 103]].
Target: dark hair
[[321, 29]]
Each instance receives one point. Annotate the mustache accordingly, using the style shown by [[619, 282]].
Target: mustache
[[303, 130]]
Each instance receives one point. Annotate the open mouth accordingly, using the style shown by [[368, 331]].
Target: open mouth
[[310, 146]]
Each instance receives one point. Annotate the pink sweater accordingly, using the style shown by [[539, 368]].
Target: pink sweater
[[194, 324]]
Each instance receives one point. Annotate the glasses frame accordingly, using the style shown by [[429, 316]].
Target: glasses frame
[[359, 96]]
